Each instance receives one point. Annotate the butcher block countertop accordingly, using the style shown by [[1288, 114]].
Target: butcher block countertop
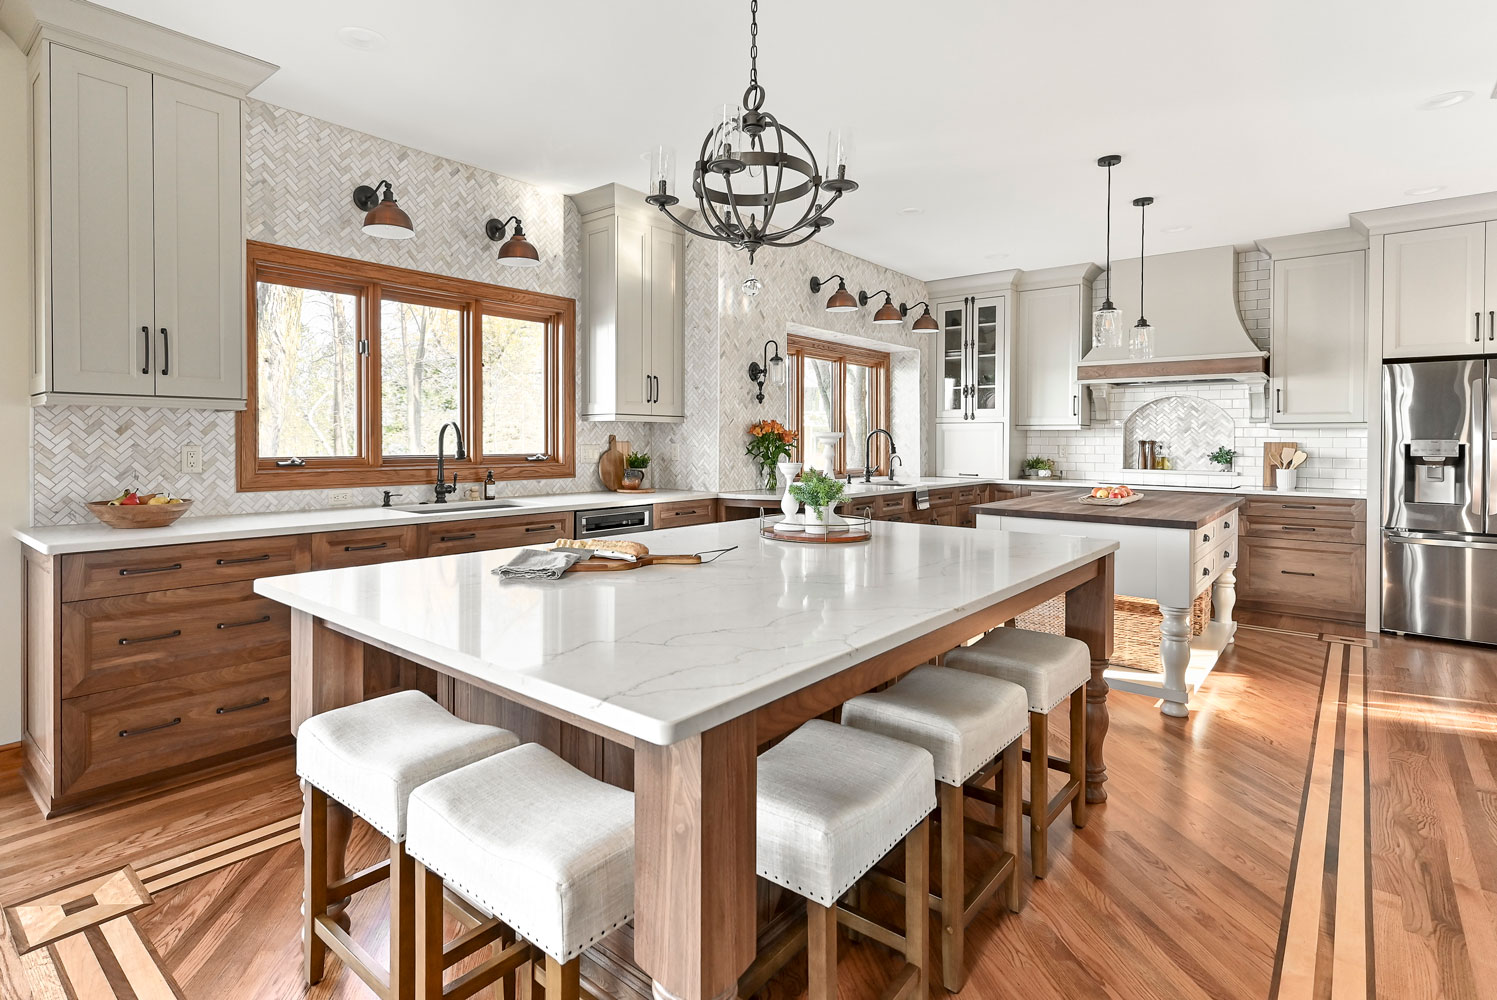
[[1155, 509]]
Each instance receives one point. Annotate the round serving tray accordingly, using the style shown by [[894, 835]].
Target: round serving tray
[[854, 529]]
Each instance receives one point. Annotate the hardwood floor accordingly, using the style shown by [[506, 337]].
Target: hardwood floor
[[1179, 887]]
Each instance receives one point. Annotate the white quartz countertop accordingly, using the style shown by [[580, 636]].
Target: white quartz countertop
[[663, 653], [68, 538], [1243, 486]]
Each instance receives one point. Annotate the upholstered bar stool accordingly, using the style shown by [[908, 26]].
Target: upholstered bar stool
[[537, 844], [833, 802], [370, 757], [967, 721], [1049, 668]]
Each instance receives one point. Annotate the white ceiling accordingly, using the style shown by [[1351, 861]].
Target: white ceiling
[[1243, 120]]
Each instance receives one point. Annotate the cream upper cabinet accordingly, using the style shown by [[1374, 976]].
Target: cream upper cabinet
[[633, 322], [139, 236], [971, 448], [1319, 339], [1047, 349], [974, 358], [1437, 297]]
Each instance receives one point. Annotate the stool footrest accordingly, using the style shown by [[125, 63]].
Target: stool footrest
[[773, 956], [469, 941], [501, 965], [904, 985], [360, 880], [991, 881], [865, 925], [359, 961], [1053, 762]]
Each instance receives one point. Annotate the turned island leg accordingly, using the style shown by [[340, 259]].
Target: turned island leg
[[1089, 618], [1224, 601], [1174, 653]]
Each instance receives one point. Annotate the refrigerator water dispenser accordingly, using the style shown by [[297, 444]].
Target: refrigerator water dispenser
[[1435, 468]]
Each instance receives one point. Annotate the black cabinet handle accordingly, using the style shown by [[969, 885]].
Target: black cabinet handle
[[241, 708], [1477, 331], [1298, 506], [1205, 536], [150, 569], [150, 729], [366, 548], [1491, 324], [258, 621], [166, 351], [1205, 570], [1226, 525], [152, 638], [459, 538], [1075, 406], [246, 559], [1295, 527], [1295, 572], [145, 357], [542, 527], [1278, 400]]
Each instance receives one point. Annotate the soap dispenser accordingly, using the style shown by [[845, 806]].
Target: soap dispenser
[[490, 488]]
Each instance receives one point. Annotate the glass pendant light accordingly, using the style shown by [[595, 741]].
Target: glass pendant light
[[1141, 342], [1107, 322]]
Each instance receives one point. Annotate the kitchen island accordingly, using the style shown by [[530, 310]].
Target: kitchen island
[[688, 670], [1172, 546]]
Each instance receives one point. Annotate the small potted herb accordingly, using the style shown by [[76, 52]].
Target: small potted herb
[[1223, 458], [635, 464], [820, 493], [1039, 468]]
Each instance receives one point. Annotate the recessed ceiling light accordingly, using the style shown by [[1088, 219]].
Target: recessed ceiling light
[[1447, 100], [1432, 189], [912, 211], [362, 39], [1176, 229]]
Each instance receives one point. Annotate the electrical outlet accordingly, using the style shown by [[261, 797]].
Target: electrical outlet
[[192, 459], [341, 498]]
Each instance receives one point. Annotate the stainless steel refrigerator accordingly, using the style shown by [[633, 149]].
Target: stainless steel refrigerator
[[1440, 499]]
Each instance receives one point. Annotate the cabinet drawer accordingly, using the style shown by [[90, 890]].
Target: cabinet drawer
[[893, 503], [362, 547], [965, 518], [113, 642], [940, 498], [488, 533], [946, 516], [967, 494], [1307, 508], [685, 512], [1312, 579], [1312, 532], [148, 728], [859, 508], [168, 567]]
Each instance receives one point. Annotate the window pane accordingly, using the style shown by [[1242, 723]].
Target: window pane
[[818, 381], [307, 391], [858, 400], [420, 372], [514, 386]]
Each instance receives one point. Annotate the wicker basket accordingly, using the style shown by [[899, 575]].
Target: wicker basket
[[1135, 627], [138, 515]]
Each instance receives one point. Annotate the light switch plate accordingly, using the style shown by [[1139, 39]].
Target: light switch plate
[[192, 459]]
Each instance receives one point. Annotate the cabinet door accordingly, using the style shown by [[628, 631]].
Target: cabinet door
[[987, 357], [1319, 339], [101, 253], [970, 449], [666, 363], [1046, 353], [1491, 288], [632, 334], [199, 249], [951, 372], [1434, 299]]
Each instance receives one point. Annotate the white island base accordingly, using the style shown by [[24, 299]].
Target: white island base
[[1171, 566]]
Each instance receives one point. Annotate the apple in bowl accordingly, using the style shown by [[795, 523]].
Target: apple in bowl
[[1112, 493]]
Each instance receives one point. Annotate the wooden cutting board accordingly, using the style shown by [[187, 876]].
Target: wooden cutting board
[[611, 464], [597, 564], [1271, 450]]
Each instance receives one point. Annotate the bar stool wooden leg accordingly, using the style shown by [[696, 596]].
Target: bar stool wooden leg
[[1012, 790], [429, 939], [917, 902], [953, 886], [1039, 793], [525, 982], [1078, 755], [563, 982], [314, 880], [821, 951], [402, 922]]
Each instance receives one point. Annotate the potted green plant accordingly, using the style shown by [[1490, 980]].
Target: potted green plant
[[820, 493], [635, 464], [1039, 468], [1223, 457]]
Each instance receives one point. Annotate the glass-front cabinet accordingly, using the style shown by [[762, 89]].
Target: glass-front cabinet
[[972, 363]]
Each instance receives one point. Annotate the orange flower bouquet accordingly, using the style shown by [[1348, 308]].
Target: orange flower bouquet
[[769, 442]]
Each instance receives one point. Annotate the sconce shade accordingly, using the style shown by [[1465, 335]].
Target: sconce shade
[[383, 216], [516, 251], [842, 300], [888, 314], [926, 323]]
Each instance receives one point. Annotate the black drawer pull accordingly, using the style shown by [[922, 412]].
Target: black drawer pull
[[1296, 527], [1205, 570], [1298, 506], [241, 708], [150, 569], [152, 638], [1226, 525], [544, 527], [366, 548], [459, 538], [150, 729], [246, 559], [1205, 536], [1295, 572], [258, 621]]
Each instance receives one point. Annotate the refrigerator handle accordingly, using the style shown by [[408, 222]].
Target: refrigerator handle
[[1487, 437]]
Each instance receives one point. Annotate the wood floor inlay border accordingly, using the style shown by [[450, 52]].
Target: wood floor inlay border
[[1325, 939]]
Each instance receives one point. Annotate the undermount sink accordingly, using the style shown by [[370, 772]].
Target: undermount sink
[[451, 507]]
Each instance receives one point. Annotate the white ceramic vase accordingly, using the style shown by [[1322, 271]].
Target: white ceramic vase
[[789, 506], [1286, 479], [819, 525]]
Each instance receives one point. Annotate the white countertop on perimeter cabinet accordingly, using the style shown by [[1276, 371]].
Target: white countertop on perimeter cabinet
[[63, 539], [665, 652]]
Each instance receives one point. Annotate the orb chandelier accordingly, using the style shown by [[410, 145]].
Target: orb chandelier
[[751, 165]]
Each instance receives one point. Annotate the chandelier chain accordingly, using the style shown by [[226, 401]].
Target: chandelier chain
[[753, 43]]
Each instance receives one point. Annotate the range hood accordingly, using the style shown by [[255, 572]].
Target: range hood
[[1198, 335]]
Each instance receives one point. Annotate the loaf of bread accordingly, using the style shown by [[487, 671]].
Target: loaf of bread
[[618, 546]]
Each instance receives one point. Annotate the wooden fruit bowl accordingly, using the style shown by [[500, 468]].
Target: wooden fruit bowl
[[138, 515]]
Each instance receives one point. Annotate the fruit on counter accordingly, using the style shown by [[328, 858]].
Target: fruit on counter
[[134, 498], [1112, 493]]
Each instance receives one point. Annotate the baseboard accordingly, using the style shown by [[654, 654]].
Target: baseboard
[[12, 756]]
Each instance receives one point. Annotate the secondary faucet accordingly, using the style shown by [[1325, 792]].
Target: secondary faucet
[[892, 459], [868, 454], [443, 487]]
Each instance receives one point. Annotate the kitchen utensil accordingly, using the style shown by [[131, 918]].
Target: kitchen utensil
[[138, 516], [602, 564], [1286, 456], [1298, 460], [1272, 451]]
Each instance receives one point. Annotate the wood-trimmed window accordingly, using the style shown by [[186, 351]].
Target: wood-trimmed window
[[353, 367], [838, 387]]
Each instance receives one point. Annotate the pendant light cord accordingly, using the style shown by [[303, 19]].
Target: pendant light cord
[[1107, 291], [1143, 211]]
